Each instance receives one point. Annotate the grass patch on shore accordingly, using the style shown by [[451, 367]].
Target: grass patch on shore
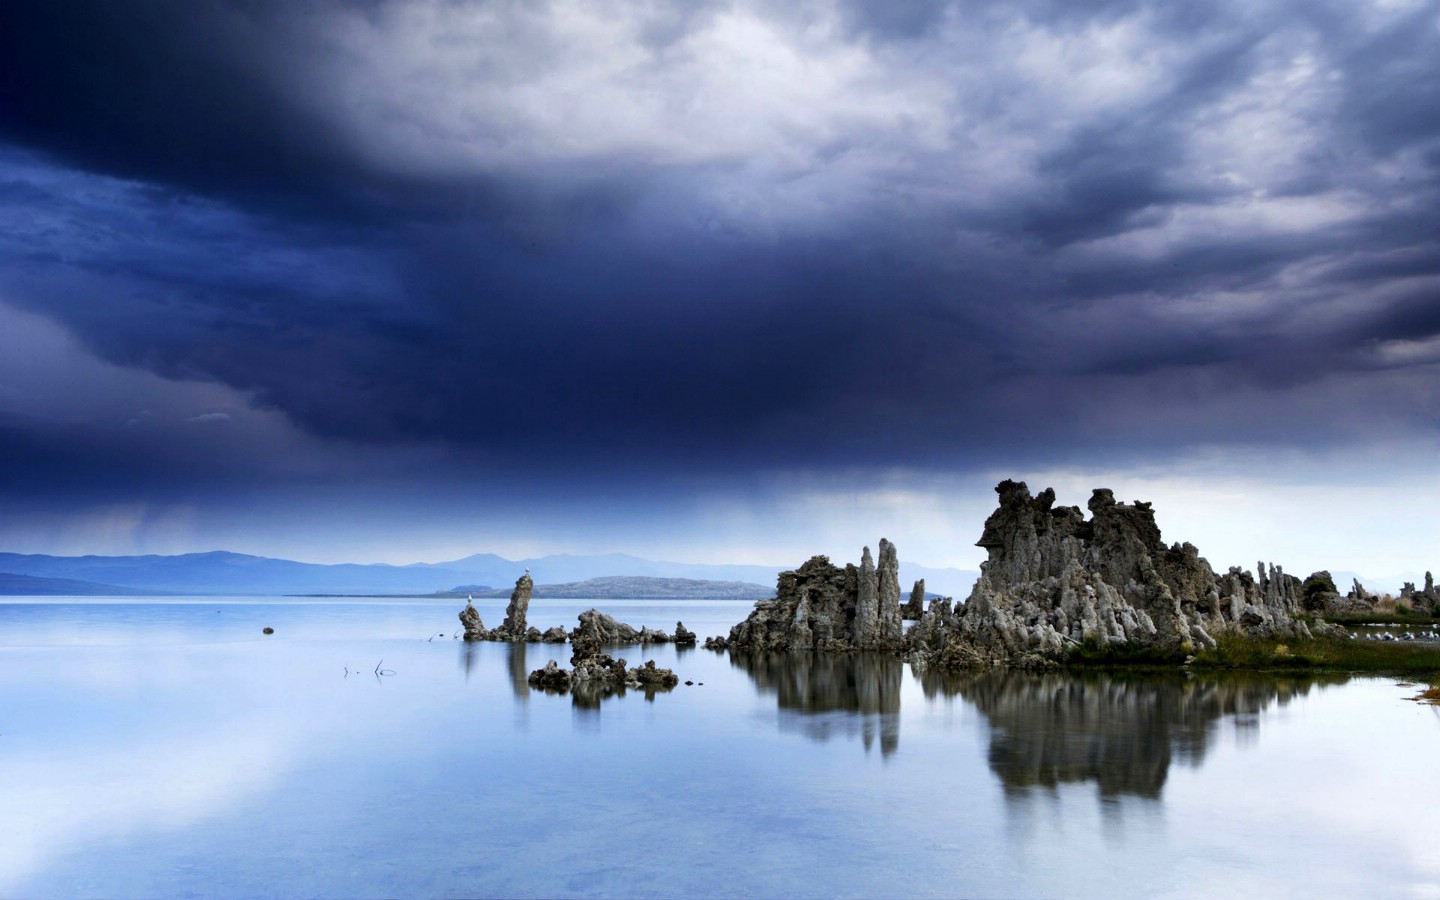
[[1320, 654], [1431, 695], [1093, 654]]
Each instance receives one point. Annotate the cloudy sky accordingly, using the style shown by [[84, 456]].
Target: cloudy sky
[[735, 281]]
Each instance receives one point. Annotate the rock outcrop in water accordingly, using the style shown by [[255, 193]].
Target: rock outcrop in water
[[603, 629], [474, 627], [514, 627], [684, 637], [914, 608], [551, 677], [1055, 581], [596, 672], [821, 607]]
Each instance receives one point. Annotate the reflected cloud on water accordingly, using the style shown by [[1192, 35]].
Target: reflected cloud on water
[[1120, 731], [827, 695]]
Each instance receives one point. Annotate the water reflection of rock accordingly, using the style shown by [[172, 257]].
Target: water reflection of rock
[[518, 670], [827, 695], [468, 655], [1119, 731]]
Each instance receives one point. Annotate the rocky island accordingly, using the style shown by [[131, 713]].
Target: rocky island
[[1057, 584], [822, 607], [1056, 581]]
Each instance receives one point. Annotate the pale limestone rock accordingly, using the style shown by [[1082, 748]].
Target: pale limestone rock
[[914, 608], [474, 626], [822, 607], [1055, 580]]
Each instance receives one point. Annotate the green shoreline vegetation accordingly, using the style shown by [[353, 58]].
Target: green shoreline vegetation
[[1322, 654]]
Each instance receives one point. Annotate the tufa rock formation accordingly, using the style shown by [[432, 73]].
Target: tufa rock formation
[[603, 630], [596, 672], [550, 678], [1422, 601], [821, 607], [1318, 595], [513, 628], [1056, 581], [914, 608], [684, 637], [470, 620]]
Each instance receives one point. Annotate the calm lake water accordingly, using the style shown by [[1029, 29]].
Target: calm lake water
[[168, 748]]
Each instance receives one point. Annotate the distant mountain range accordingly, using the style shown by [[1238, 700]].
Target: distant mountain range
[[220, 572]]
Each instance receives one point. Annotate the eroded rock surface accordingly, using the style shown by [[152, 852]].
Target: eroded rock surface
[[595, 673], [551, 677], [914, 607], [684, 637], [1318, 595], [1425, 601], [1056, 579], [822, 607], [603, 629], [474, 626], [513, 628]]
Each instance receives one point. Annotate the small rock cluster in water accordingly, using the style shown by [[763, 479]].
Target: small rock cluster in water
[[595, 670]]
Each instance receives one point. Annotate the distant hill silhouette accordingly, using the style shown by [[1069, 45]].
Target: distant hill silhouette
[[222, 572], [638, 587], [33, 586]]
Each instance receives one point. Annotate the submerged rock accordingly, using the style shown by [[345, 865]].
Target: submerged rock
[[550, 678], [649, 675], [821, 607], [1055, 581]]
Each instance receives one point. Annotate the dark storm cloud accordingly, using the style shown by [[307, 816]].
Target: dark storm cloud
[[742, 236], [158, 92]]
